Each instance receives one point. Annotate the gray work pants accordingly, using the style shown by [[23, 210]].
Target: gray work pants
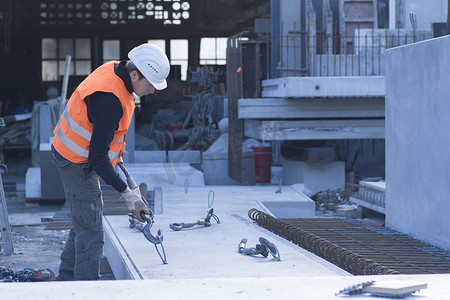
[[80, 259]]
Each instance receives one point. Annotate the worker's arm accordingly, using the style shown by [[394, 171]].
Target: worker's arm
[[105, 112]]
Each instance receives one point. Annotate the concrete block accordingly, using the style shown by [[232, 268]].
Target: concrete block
[[33, 183], [316, 176], [291, 209], [215, 169], [150, 156], [348, 211], [52, 187], [45, 124], [185, 156]]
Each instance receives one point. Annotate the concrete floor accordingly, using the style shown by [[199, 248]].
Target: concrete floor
[[204, 262]]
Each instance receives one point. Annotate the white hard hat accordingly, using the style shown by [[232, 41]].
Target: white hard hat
[[152, 62]]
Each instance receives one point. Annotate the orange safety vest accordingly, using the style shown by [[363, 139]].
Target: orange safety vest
[[74, 130]]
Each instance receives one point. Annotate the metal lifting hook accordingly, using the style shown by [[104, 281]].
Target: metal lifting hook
[[155, 240], [264, 248]]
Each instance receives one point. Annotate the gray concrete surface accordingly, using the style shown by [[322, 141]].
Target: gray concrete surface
[[417, 140], [329, 87], [296, 286], [212, 252], [300, 275]]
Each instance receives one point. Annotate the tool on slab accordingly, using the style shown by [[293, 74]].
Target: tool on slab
[[145, 229], [186, 185], [206, 222], [388, 289], [263, 248]]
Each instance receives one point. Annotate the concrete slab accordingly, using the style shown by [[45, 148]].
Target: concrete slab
[[377, 185], [314, 129], [211, 252], [295, 286], [327, 87], [311, 108]]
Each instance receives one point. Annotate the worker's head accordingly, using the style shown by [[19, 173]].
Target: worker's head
[[148, 68]]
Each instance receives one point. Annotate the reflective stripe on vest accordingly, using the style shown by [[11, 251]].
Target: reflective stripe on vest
[[80, 151], [80, 130], [71, 145], [84, 133], [75, 127]]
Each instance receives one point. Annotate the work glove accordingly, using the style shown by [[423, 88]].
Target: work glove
[[135, 204]]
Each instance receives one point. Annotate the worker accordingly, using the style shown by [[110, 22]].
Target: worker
[[89, 141]]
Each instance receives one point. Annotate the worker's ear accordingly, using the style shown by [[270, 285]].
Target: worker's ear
[[134, 75]]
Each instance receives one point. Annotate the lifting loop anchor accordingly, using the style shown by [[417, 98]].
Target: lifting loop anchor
[[205, 222], [155, 240], [264, 248]]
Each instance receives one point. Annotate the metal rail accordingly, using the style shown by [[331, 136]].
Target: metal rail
[[358, 249], [318, 53]]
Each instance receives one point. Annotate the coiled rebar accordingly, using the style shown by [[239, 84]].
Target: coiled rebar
[[348, 260]]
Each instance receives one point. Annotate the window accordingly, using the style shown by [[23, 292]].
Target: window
[[54, 52], [111, 50], [179, 55], [160, 43], [213, 51]]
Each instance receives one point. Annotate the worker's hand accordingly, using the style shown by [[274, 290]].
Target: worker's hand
[[135, 204]]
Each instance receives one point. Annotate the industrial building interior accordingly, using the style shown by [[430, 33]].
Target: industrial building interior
[[277, 113]]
